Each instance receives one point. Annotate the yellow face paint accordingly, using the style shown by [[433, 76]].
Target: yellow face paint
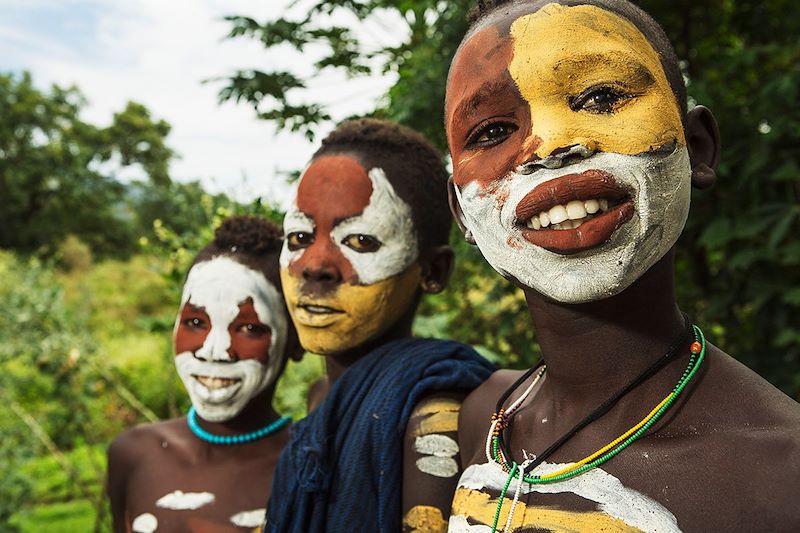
[[481, 508], [424, 519], [562, 53], [364, 311]]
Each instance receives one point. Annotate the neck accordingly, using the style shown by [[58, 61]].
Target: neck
[[255, 415], [336, 364], [595, 348]]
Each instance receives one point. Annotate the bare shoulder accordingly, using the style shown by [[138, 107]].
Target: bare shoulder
[[477, 410], [140, 440]]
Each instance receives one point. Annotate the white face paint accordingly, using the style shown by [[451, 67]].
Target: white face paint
[[219, 286], [439, 451], [660, 190], [387, 217], [613, 498], [181, 501]]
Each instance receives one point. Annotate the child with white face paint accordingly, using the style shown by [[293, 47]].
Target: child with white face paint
[[211, 471], [366, 237], [573, 159]]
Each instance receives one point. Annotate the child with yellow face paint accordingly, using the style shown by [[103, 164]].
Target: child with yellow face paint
[[573, 159], [366, 236]]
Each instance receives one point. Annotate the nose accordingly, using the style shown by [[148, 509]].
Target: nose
[[558, 158], [320, 266], [217, 347]]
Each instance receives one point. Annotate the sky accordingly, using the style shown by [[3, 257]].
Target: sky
[[159, 52]]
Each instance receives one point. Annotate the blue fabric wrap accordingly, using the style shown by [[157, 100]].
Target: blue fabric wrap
[[343, 467]]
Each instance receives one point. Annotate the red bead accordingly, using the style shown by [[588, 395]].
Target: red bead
[[696, 348]]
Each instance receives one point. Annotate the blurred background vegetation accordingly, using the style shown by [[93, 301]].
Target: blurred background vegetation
[[91, 265]]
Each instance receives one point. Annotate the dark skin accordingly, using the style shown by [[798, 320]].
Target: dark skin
[[150, 461], [728, 442], [323, 269]]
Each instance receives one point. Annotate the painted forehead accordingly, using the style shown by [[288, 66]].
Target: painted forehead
[[548, 28], [334, 187]]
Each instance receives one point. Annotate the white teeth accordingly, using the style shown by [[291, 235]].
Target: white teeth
[[544, 219], [558, 214], [575, 210], [215, 383], [534, 223], [568, 216]]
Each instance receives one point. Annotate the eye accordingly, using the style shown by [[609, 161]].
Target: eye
[[601, 99], [195, 323], [252, 330], [299, 239], [491, 134], [362, 243]]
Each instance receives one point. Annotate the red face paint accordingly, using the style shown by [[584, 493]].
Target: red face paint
[[250, 339], [333, 189], [481, 94]]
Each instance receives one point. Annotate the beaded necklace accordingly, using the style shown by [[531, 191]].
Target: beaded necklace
[[242, 438], [497, 452]]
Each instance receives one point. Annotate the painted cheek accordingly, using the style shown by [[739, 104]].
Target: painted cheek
[[244, 347], [188, 339], [483, 63]]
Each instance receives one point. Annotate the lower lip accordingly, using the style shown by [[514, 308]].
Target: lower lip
[[316, 320], [591, 233]]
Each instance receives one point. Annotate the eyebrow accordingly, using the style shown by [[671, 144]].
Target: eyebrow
[[468, 108], [636, 73]]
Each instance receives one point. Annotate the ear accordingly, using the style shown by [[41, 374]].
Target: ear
[[455, 208], [702, 139], [437, 265]]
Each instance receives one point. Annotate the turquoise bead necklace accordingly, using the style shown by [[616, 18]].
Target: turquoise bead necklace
[[242, 438]]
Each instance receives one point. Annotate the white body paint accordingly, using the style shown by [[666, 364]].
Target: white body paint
[[182, 501], [597, 485], [144, 523], [439, 451], [252, 518], [660, 188], [219, 286], [387, 217]]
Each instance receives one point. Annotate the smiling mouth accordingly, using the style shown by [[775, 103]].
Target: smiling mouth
[[319, 309], [573, 213], [214, 383]]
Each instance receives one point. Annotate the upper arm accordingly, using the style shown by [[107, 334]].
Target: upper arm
[[431, 463], [121, 457]]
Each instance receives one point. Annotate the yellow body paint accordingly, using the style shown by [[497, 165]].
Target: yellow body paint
[[481, 508], [561, 51], [424, 519], [439, 415], [438, 405], [367, 310]]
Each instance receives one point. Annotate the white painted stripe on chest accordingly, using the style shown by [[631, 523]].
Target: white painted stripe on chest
[[252, 518], [144, 523], [179, 500], [597, 485]]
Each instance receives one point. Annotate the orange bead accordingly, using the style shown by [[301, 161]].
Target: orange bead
[[696, 348]]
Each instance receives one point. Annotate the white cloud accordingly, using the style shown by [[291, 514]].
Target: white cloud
[[158, 53]]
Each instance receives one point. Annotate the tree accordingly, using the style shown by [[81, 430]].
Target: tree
[[738, 259], [57, 171]]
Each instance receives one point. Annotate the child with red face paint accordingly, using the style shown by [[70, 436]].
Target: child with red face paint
[[366, 237], [573, 159], [206, 472]]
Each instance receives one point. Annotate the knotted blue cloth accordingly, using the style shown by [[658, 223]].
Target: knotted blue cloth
[[343, 468]]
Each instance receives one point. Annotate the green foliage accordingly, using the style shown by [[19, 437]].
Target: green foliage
[[53, 168]]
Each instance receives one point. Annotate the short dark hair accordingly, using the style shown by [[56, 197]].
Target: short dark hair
[[646, 24], [411, 163], [252, 241]]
